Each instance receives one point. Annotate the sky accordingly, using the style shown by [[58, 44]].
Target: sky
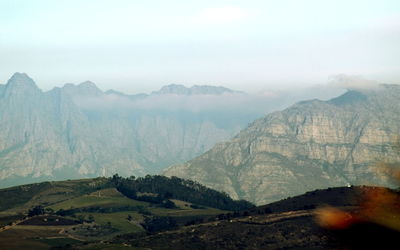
[[138, 46]]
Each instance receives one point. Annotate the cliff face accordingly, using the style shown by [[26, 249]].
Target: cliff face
[[79, 131], [313, 144]]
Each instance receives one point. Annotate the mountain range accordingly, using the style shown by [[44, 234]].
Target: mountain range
[[312, 144], [80, 131]]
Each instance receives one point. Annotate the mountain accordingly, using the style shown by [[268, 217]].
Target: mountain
[[80, 131], [313, 144], [86, 88]]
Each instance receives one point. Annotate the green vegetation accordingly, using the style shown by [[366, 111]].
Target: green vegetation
[[117, 220], [14, 196], [108, 246], [101, 217], [9, 219], [176, 188], [26, 237], [74, 212], [37, 210], [21, 198], [58, 242], [159, 223], [89, 200]]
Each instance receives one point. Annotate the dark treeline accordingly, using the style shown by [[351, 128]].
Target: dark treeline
[[98, 209], [159, 223], [162, 188]]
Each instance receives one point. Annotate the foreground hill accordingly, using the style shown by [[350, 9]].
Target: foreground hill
[[42, 215], [286, 224], [313, 144], [157, 212]]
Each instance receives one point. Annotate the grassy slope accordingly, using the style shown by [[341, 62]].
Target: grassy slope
[[25, 237], [118, 221], [90, 200], [21, 198], [76, 194]]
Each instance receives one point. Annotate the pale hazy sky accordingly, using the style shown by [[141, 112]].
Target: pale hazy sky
[[138, 46]]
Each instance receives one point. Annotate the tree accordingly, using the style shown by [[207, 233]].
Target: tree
[[159, 223], [168, 204], [90, 218], [37, 210], [81, 218]]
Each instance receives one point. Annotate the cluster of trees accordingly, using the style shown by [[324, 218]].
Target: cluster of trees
[[176, 188], [99, 209], [159, 223], [39, 210], [88, 219]]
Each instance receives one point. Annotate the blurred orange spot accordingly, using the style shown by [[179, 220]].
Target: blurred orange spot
[[334, 218], [378, 205]]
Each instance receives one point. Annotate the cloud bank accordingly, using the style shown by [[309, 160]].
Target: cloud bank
[[240, 103], [352, 82]]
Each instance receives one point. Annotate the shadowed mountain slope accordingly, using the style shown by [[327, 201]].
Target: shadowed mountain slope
[[80, 131], [313, 144]]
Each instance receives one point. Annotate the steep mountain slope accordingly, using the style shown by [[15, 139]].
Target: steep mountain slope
[[80, 131], [313, 144]]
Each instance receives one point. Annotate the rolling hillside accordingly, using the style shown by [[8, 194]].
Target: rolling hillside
[[48, 214]]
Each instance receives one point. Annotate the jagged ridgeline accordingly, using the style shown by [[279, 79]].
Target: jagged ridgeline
[[311, 145], [79, 131]]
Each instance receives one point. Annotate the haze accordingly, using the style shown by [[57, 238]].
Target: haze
[[139, 46]]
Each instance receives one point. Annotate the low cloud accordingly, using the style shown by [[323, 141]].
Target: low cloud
[[352, 82], [255, 105]]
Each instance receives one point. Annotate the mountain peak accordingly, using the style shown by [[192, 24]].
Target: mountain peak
[[86, 88], [312, 144], [21, 79], [177, 89], [19, 75], [20, 82], [87, 84]]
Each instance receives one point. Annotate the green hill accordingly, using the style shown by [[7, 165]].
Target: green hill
[[156, 212], [97, 209]]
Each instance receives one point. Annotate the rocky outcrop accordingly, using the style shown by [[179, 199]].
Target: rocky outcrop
[[80, 131], [313, 144]]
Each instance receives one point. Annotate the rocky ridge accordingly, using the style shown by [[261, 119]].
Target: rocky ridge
[[313, 144], [80, 131]]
